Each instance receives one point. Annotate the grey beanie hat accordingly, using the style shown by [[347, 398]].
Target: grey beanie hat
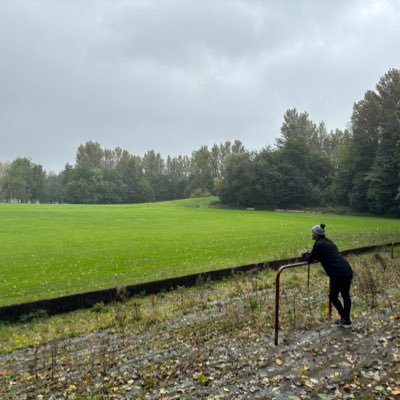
[[318, 230]]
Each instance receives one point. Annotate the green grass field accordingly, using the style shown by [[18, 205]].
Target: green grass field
[[52, 250]]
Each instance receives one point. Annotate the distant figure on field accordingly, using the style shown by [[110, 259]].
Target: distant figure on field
[[337, 268]]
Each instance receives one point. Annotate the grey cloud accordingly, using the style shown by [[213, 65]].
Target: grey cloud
[[173, 75]]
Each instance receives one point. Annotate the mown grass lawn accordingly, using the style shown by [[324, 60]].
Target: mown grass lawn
[[52, 250]]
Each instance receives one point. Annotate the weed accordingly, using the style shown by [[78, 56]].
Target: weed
[[137, 312], [121, 293], [100, 308], [120, 317], [369, 284], [152, 315], [33, 316], [254, 304]]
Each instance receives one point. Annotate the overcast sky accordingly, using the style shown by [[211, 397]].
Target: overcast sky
[[172, 75]]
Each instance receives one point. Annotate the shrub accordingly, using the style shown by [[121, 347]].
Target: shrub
[[33, 316]]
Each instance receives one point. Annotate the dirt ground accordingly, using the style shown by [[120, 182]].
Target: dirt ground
[[213, 355]]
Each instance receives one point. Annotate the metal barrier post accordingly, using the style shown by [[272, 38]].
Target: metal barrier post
[[277, 295], [329, 300]]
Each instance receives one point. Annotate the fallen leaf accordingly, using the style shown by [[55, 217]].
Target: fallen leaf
[[278, 361], [325, 396], [303, 370], [201, 378], [377, 377], [346, 387], [380, 389], [309, 383]]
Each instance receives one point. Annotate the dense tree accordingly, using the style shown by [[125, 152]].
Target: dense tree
[[89, 156], [303, 165], [342, 180], [177, 174], [3, 169], [54, 188], [265, 173], [83, 186], [108, 176], [17, 181], [238, 147], [368, 169], [122, 162], [297, 128], [332, 145], [138, 190], [24, 181], [206, 166], [154, 173], [202, 174], [38, 183], [237, 186], [382, 183], [384, 176]]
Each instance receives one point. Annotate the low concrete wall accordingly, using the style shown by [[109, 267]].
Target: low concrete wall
[[85, 300]]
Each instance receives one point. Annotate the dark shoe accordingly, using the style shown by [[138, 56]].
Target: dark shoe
[[338, 322], [347, 324]]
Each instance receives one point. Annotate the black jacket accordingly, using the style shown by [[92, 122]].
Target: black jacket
[[326, 252]]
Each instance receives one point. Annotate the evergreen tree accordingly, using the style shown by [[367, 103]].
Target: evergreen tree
[[368, 169]]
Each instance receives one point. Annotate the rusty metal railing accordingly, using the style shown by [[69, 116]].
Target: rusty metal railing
[[277, 292]]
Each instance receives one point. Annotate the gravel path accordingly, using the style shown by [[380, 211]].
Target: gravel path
[[217, 353]]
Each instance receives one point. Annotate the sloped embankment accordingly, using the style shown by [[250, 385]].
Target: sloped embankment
[[218, 344]]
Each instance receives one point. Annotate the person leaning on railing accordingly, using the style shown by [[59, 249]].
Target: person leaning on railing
[[337, 268]]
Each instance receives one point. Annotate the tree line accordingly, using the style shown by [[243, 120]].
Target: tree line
[[110, 176], [357, 168]]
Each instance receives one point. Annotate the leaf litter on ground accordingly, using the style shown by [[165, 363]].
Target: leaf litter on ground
[[219, 350]]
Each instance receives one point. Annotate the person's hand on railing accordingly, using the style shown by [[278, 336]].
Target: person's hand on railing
[[303, 251]]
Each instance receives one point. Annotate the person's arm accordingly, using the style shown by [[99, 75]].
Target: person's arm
[[310, 257]]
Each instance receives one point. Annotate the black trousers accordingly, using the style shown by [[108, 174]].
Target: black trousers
[[341, 284]]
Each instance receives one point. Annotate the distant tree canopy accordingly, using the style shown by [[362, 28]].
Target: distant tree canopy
[[367, 178], [358, 168], [295, 174], [24, 181], [111, 176]]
